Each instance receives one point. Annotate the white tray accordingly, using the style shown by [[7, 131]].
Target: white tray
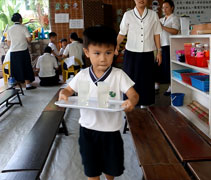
[[113, 105]]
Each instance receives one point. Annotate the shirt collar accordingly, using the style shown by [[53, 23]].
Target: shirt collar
[[143, 15], [102, 78]]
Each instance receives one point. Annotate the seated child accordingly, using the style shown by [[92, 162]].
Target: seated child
[[47, 66], [64, 44], [52, 44], [101, 145]]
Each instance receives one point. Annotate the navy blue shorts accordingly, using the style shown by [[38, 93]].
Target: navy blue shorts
[[101, 152]]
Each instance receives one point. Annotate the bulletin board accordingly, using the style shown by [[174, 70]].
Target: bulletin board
[[198, 10]]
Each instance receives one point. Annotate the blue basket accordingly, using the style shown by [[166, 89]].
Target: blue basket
[[177, 73], [201, 82], [177, 99]]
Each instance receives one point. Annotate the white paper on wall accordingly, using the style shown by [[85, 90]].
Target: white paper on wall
[[76, 24], [61, 18], [198, 10]]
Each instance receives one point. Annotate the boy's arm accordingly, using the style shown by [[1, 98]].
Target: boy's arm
[[65, 93], [132, 100]]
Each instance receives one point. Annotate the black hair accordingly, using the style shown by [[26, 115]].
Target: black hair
[[74, 36], [52, 34], [63, 40], [48, 49], [16, 17], [100, 35], [171, 3]]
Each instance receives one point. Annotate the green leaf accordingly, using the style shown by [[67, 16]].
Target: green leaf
[[17, 7], [11, 11], [3, 18], [14, 2]]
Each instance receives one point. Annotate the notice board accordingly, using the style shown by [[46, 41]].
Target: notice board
[[198, 10]]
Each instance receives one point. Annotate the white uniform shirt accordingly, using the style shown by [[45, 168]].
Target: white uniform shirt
[[140, 31], [54, 48], [101, 120], [46, 63], [172, 22], [74, 49], [61, 51], [17, 34]]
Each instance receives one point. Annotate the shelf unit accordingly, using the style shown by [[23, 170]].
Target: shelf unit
[[191, 93]]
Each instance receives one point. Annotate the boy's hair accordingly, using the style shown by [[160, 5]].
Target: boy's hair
[[48, 49], [99, 35], [63, 40], [52, 34]]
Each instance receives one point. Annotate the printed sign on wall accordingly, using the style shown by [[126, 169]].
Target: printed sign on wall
[[198, 10]]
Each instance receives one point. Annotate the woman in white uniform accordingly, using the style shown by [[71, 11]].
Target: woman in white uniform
[[170, 25], [20, 61], [143, 29]]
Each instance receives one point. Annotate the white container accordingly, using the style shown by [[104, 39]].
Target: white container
[[185, 23]]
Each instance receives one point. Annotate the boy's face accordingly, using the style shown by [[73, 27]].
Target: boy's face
[[101, 56], [53, 39], [64, 43]]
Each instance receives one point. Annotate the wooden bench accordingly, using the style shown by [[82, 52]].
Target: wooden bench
[[6, 96], [156, 157], [201, 170], [32, 153], [188, 145], [26, 175], [52, 107]]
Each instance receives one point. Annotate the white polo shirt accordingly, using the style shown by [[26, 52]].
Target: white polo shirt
[[74, 49], [47, 64], [172, 22], [54, 48], [100, 120], [140, 31], [17, 34]]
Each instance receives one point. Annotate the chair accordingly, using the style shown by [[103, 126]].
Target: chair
[[5, 75], [71, 69]]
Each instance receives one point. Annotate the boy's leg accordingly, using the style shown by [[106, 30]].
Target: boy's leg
[[108, 177], [94, 178]]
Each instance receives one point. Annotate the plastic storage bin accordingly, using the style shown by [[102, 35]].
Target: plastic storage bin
[[177, 73], [201, 61], [201, 82], [190, 60], [186, 77], [177, 99]]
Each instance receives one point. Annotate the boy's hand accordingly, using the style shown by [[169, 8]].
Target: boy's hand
[[65, 93], [62, 96], [128, 105]]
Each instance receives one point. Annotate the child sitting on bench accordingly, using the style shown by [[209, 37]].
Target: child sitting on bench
[[101, 145]]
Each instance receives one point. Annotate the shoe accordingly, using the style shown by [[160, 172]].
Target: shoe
[[167, 93], [31, 87]]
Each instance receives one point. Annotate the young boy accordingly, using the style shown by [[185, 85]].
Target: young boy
[[63, 46], [47, 66], [52, 39], [100, 142]]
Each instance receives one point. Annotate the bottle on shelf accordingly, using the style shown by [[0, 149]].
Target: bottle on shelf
[[193, 50], [199, 50], [206, 51]]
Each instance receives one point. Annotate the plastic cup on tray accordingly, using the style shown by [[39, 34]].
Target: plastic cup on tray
[[83, 92]]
